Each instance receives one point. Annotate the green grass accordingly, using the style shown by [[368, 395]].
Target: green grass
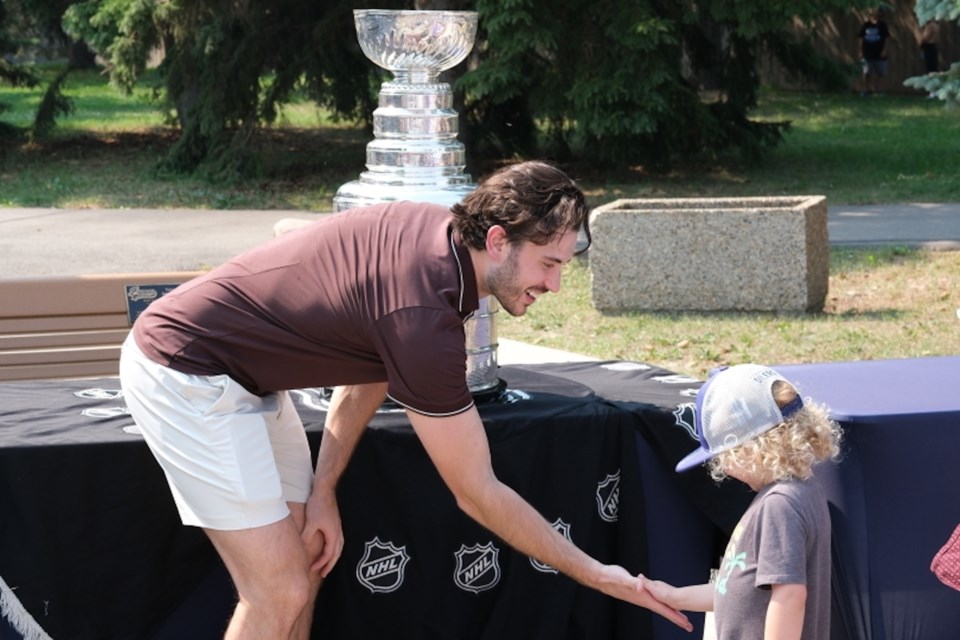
[[890, 149], [896, 148], [882, 303], [100, 107], [853, 150], [105, 154]]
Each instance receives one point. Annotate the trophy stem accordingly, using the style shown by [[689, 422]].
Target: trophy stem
[[416, 76]]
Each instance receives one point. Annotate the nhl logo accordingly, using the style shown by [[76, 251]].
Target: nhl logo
[[318, 398], [381, 568], [513, 396], [608, 498], [105, 412], [684, 417], [564, 529], [478, 567], [99, 394], [675, 378]]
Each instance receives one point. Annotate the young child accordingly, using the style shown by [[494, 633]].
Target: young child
[[774, 580]]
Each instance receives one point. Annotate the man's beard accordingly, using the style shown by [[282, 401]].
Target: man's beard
[[502, 284]]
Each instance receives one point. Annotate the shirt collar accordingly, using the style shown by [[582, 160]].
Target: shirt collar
[[469, 299]]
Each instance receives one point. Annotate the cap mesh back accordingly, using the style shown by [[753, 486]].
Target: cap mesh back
[[739, 405]]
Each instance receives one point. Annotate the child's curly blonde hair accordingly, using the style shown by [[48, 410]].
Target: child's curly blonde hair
[[788, 450]]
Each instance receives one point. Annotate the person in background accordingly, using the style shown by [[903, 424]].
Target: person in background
[[873, 36], [929, 46], [774, 580]]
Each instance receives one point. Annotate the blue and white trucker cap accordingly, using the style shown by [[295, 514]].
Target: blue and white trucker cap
[[734, 405]]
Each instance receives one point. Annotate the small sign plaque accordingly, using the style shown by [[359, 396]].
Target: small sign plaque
[[139, 296]]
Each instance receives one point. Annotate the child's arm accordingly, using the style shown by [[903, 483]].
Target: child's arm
[[785, 612], [697, 597]]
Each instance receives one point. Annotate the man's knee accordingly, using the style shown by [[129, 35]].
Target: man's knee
[[269, 567], [283, 598], [295, 594]]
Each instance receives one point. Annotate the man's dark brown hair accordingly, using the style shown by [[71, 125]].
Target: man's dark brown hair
[[532, 201]]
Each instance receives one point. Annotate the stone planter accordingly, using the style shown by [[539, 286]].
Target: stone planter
[[710, 254]]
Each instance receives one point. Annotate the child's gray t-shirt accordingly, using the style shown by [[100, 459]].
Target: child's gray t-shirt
[[783, 538]]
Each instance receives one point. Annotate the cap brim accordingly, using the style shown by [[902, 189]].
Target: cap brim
[[694, 459]]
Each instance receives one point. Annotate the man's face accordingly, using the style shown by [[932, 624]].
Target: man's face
[[528, 270]]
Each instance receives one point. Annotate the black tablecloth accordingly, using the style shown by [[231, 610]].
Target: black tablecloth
[[91, 544]]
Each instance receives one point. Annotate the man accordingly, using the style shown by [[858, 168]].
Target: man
[[873, 37], [360, 300]]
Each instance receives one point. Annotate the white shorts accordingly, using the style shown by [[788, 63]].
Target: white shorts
[[233, 459]]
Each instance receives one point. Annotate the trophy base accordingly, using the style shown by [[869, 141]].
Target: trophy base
[[362, 194]]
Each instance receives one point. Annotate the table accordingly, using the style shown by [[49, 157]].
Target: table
[[92, 547], [895, 495]]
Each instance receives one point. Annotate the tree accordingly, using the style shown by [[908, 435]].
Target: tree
[[609, 81], [228, 65], [944, 85], [41, 20], [53, 103], [36, 25], [10, 73], [642, 81]]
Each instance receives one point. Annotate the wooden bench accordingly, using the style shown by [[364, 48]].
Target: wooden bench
[[72, 326]]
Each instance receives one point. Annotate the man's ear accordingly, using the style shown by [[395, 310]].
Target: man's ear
[[496, 241]]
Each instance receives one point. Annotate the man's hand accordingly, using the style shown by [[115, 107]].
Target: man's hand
[[619, 584], [698, 597], [458, 447], [351, 407], [323, 532]]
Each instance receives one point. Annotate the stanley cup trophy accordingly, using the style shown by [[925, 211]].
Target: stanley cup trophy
[[415, 154]]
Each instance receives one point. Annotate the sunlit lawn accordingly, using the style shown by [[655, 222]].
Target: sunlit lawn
[[851, 149]]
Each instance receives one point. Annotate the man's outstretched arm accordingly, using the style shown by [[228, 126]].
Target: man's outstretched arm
[[458, 447]]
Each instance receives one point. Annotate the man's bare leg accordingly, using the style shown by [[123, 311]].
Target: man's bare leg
[[269, 567], [301, 630]]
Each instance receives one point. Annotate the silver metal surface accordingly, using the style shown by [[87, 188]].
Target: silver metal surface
[[419, 43], [481, 341], [415, 154]]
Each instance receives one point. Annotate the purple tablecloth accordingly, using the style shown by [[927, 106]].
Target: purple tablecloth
[[894, 496]]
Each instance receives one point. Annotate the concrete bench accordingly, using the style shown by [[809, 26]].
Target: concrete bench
[[72, 326], [710, 254]]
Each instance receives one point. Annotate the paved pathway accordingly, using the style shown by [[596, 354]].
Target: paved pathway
[[935, 226], [41, 242]]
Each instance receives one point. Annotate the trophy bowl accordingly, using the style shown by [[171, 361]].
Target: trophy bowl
[[409, 41]]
